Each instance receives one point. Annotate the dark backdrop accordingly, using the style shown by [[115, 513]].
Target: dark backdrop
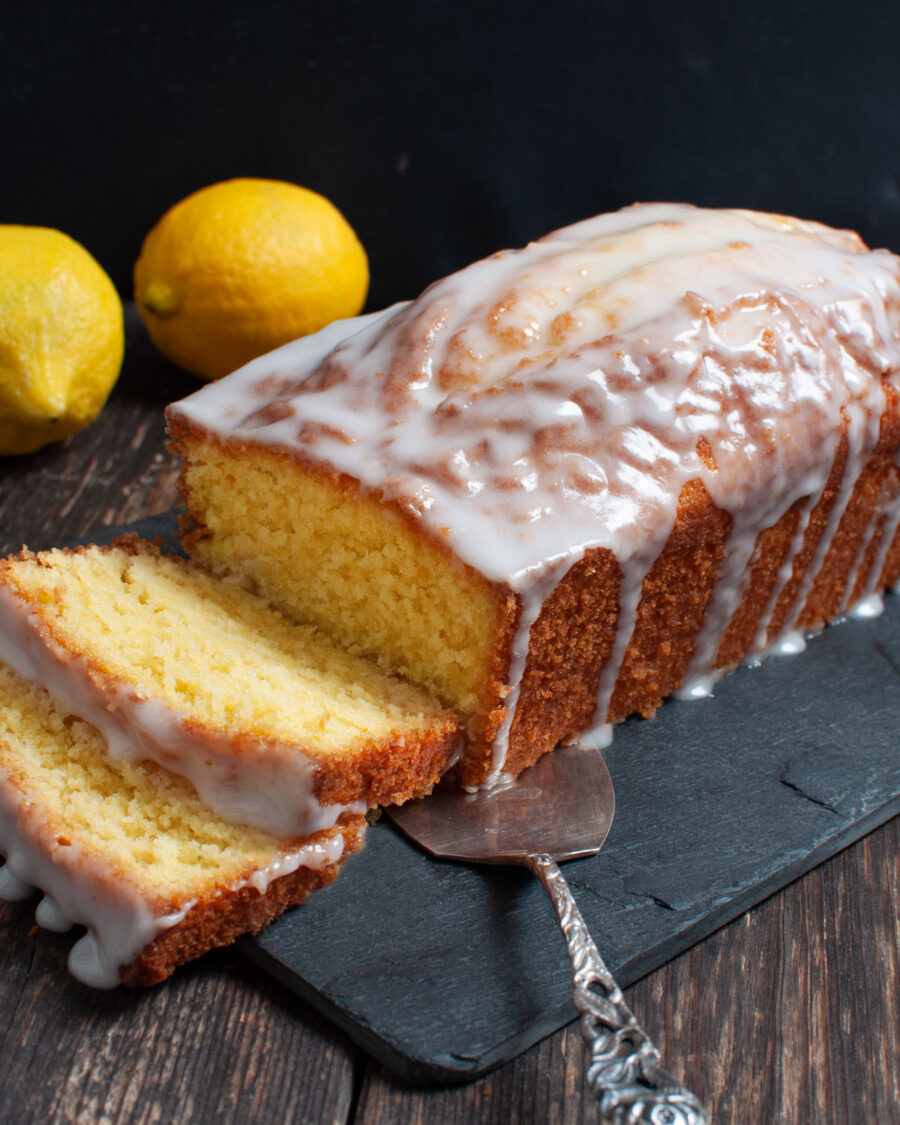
[[443, 130]]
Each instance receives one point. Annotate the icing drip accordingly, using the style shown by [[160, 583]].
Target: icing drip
[[732, 581], [49, 916], [883, 527], [888, 532], [120, 921], [629, 599], [858, 448], [542, 587], [635, 352], [872, 606], [785, 573], [270, 789], [596, 738], [12, 888], [81, 889], [791, 644], [701, 687]]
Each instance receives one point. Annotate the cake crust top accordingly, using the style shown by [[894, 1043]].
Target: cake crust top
[[558, 397]]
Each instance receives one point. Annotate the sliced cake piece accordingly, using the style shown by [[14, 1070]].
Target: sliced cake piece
[[129, 850], [274, 725]]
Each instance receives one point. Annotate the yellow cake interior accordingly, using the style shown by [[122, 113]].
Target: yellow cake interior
[[348, 564], [216, 653], [136, 821]]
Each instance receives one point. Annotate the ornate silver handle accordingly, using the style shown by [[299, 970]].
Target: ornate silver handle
[[624, 1073]]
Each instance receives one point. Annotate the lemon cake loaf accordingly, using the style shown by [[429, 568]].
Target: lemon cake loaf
[[128, 850], [572, 479], [273, 724]]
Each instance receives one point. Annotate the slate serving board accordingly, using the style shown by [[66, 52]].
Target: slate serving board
[[443, 971]]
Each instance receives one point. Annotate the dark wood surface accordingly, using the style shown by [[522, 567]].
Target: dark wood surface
[[791, 1013]]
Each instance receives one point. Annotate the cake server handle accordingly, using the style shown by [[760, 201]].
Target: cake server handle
[[624, 1072]]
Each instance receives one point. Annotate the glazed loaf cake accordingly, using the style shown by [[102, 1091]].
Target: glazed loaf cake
[[129, 851], [274, 725], [572, 479]]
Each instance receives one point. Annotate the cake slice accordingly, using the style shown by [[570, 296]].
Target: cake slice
[[129, 851], [573, 478], [275, 726]]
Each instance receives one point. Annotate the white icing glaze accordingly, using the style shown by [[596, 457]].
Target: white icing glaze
[[784, 576], [12, 888], [595, 738], [620, 344], [81, 889], [872, 606], [49, 916], [266, 787], [696, 689], [885, 529], [888, 532], [791, 644], [120, 921], [316, 856]]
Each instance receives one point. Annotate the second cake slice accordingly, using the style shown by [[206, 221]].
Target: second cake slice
[[274, 725], [129, 851]]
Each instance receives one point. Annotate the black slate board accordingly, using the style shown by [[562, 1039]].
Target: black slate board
[[443, 971]]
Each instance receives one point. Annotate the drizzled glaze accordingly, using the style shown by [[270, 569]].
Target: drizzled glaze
[[81, 889], [557, 398], [268, 787]]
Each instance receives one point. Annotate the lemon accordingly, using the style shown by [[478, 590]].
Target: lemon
[[61, 337], [240, 267]]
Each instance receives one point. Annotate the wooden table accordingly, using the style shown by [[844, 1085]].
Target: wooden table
[[789, 1014]]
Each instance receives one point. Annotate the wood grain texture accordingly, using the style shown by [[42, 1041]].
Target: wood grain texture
[[789, 1014], [219, 1043]]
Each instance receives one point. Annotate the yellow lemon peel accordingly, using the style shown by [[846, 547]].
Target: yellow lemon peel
[[61, 337], [241, 267]]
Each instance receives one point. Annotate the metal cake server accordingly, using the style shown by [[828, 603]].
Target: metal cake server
[[560, 809]]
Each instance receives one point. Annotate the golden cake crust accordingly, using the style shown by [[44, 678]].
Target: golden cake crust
[[219, 919]]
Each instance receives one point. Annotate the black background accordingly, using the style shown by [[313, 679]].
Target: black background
[[445, 131]]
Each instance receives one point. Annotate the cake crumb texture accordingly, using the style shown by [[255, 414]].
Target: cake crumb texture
[[132, 832]]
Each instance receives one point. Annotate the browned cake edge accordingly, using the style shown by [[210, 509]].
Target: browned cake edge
[[221, 918], [579, 620]]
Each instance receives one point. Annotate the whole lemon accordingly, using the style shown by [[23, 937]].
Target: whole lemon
[[241, 267], [61, 337]]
